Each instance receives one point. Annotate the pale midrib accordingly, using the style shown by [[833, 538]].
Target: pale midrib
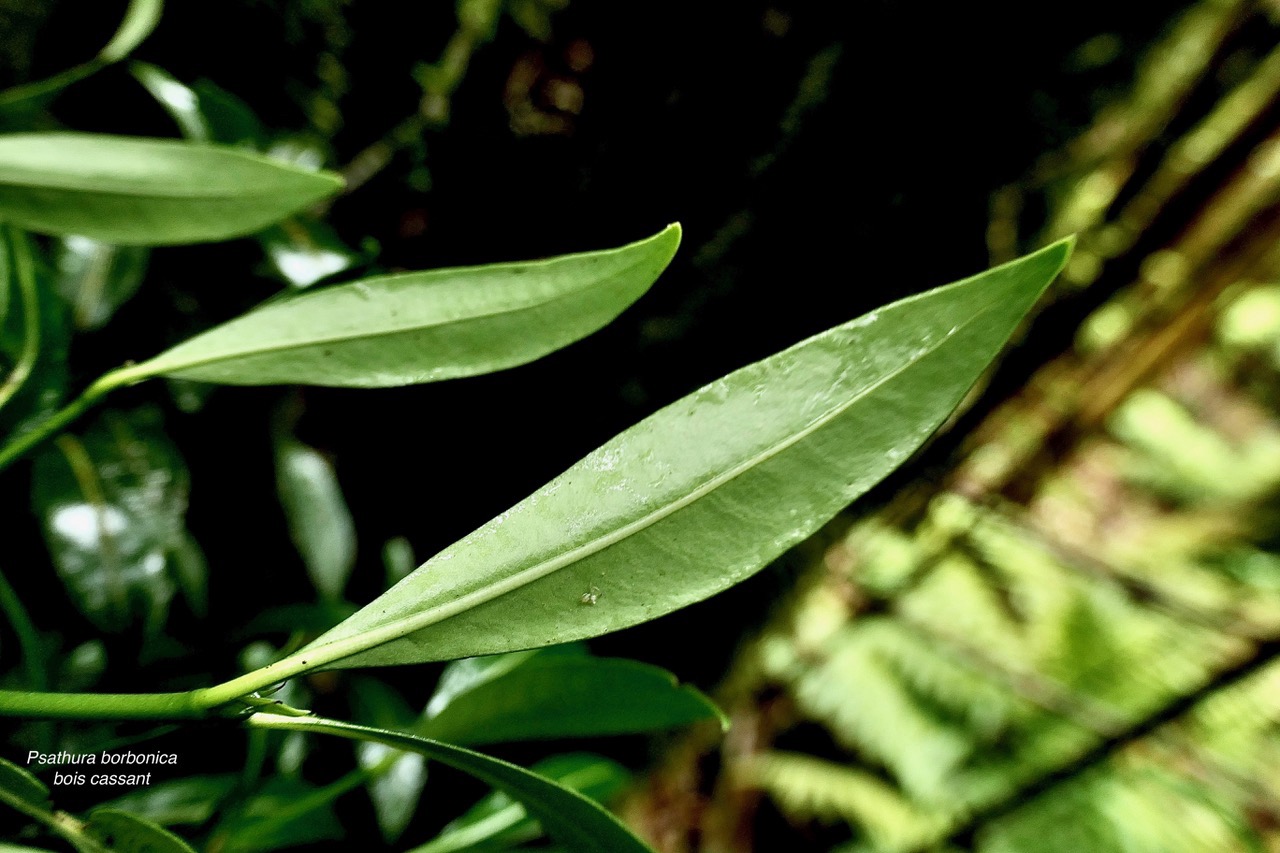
[[256, 193], [366, 641], [156, 366]]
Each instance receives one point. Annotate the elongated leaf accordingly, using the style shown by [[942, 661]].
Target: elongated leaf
[[552, 696], [320, 523], [147, 191], [283, 814], [396, 778], [704, 493], [179, 801], [139, 20], [568, 817], [421, 327], [21, 104], [127, 833], [22, 786], [498, 820]]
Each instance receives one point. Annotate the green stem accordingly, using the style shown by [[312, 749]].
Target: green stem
[[101, 706], [20, 445]]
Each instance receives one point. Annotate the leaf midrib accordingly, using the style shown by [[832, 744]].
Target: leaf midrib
[[352, 645]]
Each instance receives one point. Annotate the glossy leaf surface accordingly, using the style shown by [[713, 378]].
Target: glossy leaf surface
[[497, 820], [96, 278], [560, 696], [147, 191], [421, 327], [112, 507], [705, 492], [574, 821]]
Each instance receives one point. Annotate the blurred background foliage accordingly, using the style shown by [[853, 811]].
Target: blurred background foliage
[[1055, 632]]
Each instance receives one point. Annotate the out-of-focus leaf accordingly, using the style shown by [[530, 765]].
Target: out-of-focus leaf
[[191, 801], [19, 785], [307, 617], [112, 507], [16, 848], [20, 105], [571, 819], [147, 191], [551, 696], [45, 386], [498, 821], [469, 674], [139, 20], [96, 278], [82, 667], [705, 492], [304, 251], [283, 813], [319, 522], [127, 833], [422, 326], [397, 777], [397, 559]]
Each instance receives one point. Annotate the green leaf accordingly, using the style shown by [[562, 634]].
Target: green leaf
[[20, 786], [191, 801], [127, 833], [36, 324], [319, 522], [498, 820], [139, 20], [112, 507], [702, 494], [304, 251], [147, 191], [396, 777], [96, 278], [555, 696], [423, 326], [21, 104], [283, 813], [568, 817]]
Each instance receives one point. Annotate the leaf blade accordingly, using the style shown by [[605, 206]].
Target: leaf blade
[[573, 820], [135, 191], [374, 333], [733, 475], [557, 696]]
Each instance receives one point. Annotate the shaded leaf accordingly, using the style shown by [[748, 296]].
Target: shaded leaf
[[304, 251], [96, 278], [702, 494], [396, 777], [127, 833], [43, 316], [22, 786], [147, 191], [283, 813], [112, 508], [423, 326], [498, 820], [21, 104], [580, 824], [553, 696], [469, 674], [190, 801], [319, 522]]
